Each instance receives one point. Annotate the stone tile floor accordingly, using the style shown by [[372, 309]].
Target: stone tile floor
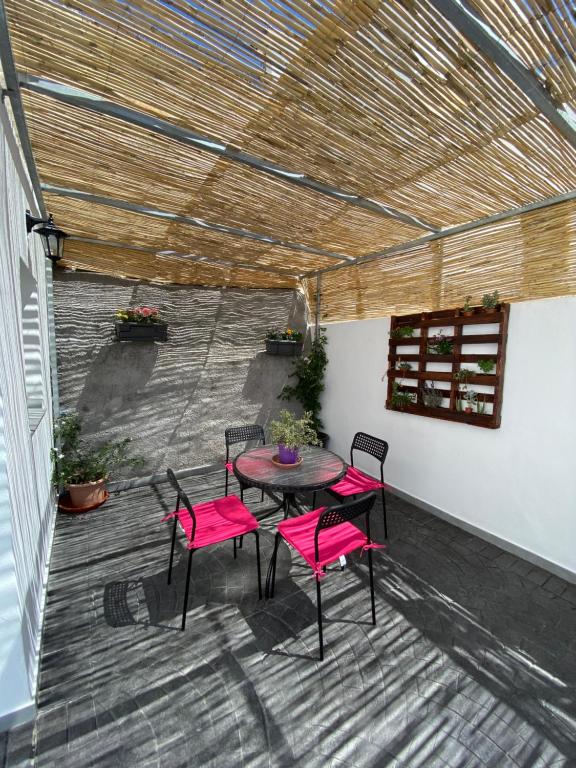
[[471, 663]]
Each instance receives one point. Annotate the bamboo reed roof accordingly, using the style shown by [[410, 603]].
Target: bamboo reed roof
[[386, 101]]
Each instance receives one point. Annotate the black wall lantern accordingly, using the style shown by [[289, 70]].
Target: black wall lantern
[[52, 237]]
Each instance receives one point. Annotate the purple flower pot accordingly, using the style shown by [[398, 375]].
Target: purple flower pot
[[287, 456]]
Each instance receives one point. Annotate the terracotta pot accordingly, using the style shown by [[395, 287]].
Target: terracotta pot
[[490, 310], [86, 494], [468, 409], [467, 312]]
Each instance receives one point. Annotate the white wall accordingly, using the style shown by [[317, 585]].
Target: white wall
[[27, 505], [517, 482]]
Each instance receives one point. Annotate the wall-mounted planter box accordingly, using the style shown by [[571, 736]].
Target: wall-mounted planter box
[[415, 350], [141, 331], [284, 348]]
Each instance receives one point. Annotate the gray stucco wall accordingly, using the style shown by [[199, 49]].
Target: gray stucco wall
[[173, 399]]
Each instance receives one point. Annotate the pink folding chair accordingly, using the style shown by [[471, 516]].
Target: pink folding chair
[[321, 537], [210, 522], [356, 482]]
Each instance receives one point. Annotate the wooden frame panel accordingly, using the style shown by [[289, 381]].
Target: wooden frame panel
[[460, 337]]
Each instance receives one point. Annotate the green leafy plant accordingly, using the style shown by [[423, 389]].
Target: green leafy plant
[[289, 334], [463, 375], [293, 432], [467, 306], [431, 396], [481, 404], [490, 300], [402, 332], [76, 463], [403, 365], [309, 374], [399, 398], [440, 344], [486, 366]]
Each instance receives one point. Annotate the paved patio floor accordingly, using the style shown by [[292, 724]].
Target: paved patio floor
[[471, 664]]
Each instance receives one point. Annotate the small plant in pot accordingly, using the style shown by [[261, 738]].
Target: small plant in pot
[[400, 399], [440, 344], [467, 309], [403, 365], [402, 332], [470, 400], [291, 433], [490, 302], [82, 470], [486, 366], [431, 396]]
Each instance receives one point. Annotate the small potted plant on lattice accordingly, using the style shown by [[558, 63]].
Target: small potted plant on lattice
[[431, 396], [486, 366], [402, 332], [490, 302], [140, 324], [287, 343], [291, 434], [400, 398], [467, 309], [440, 344]]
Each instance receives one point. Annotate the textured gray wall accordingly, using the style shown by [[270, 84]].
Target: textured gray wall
[[174, 399]]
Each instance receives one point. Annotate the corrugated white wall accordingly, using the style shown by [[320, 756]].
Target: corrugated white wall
[[26, 501]]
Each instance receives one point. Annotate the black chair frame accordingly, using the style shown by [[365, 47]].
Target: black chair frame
[[182, 497], [375, 447], [332, 516]]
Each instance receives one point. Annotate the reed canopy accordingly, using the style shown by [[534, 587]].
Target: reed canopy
[[410, 152]]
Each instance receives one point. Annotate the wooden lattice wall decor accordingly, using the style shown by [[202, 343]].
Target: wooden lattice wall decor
[[430, 379]]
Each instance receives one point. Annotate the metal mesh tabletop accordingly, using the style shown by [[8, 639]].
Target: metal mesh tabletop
[[319, 469]]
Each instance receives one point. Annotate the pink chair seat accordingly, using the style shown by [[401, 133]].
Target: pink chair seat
[[332, 542], [355, 481], [217, 520], [230, 467]]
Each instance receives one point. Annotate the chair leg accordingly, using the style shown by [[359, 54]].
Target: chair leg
[[384, 513], [172, 549], [234, 547], [185, 606], [240, 542], [242, 493], [262, 496], [314, 500], [372, 586], [271, 576], [226, 483], [256, 534], [319, 606]]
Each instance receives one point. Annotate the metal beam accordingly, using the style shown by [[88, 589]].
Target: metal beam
[[471, 24], [13, 92], [318, 302], [191, 221], [468, 227], [227, 263], [85, 100]]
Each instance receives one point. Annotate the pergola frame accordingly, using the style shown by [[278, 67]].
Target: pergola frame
[[467, 22], [190, 221], [78, 98]]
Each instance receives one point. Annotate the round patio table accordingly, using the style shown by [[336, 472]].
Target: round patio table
[[319, 469]]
